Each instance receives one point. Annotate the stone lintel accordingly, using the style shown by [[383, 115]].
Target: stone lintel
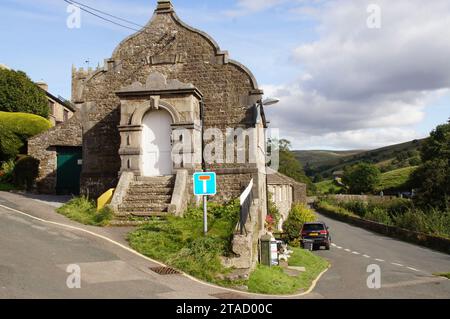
[[130, 151], [162, 93], [191, 126], [130, 128]]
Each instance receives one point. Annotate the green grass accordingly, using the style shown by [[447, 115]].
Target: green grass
[[180, 243], [84, 211], [328, 187], [396, 179], [6, 187], [324, 163], [446, 275], [273, 280]]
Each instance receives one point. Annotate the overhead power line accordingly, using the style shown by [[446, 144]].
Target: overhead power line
[[101, 17], [107, 14]]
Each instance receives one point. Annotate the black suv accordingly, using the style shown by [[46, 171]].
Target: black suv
[[318, 233]]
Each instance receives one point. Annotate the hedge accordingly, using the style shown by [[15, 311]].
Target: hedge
[[25, 172], [15, 129]]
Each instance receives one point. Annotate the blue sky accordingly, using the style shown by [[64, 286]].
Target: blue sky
[[341, 85]]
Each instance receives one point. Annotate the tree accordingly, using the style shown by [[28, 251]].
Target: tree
[[432, 178], [19, 94], [290, 166], [361, 178]]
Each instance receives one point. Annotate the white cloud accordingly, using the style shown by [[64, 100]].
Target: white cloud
[[359, 87]]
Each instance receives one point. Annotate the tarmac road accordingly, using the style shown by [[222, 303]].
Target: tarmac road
[[406, 269]]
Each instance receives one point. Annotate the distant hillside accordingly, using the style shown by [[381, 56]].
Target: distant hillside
[[324, 163]]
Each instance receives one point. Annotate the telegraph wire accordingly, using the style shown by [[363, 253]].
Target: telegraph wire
[[101, 17], [106, 14]]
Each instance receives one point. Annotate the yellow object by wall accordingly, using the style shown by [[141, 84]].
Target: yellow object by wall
[[105, 199]]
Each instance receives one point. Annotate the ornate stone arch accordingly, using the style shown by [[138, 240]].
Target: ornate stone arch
[[155, 104]]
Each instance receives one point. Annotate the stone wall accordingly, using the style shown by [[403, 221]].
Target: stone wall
[[44, 146], [179, 52]]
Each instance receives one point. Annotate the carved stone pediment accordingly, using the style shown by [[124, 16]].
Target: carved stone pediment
[[157, 83]]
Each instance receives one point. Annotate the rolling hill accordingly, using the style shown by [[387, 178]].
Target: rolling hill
[[324, 163]]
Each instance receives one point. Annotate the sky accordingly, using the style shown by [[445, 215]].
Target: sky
[[348, 75]]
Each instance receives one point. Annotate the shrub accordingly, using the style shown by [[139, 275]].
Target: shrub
[[6, 171], [84, 211], [15, 129], [379, 215], [25, 172], [412, 220], [360, 208], [273, 216], [19, 94], [298, 215]]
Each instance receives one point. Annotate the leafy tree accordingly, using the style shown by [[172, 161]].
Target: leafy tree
[[432, 178], [290, 166], [361, 178], [19, 94]]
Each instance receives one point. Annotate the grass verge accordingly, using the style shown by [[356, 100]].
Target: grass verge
[[84, 211], [274, 280], [180, 243]]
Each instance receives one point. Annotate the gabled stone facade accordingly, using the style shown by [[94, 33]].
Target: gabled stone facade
[[194, 76]]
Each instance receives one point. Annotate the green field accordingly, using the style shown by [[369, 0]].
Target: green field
[[328, 187], [396, 179], [388, 158]]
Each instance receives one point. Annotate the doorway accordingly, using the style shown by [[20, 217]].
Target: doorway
[[68, 171], [156, 144]]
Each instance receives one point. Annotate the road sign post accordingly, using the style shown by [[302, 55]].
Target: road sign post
[[205, 214], [205, 185]]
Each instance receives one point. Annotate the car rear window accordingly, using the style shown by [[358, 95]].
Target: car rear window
[[309, 227]]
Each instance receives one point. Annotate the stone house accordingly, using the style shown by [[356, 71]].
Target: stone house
[[60, 110], [167, 77], [285, 192]]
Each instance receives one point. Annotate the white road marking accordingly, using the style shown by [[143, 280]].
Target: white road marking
[[348, 250], [366, 256], [413, 269], [311, 288], [338, 247], [380, 260], [356, 253], [395, 264], [334, 245]]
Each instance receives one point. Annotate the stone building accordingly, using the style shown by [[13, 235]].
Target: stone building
[[167, 77], [285, 192], [60, 110]]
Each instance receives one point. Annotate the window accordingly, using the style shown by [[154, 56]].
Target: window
[[51, 107]]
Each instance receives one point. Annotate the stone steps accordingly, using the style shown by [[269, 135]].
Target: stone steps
[[148, 197], [151, 191], [152, 198]]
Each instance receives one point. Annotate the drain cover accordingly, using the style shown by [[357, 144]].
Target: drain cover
[[165, 271]]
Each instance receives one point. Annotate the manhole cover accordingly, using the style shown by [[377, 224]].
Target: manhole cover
[[165, 271]]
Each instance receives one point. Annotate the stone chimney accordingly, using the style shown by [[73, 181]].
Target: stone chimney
[[42, 85], [164, 6]]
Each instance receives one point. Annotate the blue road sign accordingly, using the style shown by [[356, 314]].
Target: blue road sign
[[205, 184]]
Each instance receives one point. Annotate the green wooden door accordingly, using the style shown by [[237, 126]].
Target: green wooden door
[[68, 170]]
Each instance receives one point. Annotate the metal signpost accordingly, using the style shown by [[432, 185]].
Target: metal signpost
[[205, 185]]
